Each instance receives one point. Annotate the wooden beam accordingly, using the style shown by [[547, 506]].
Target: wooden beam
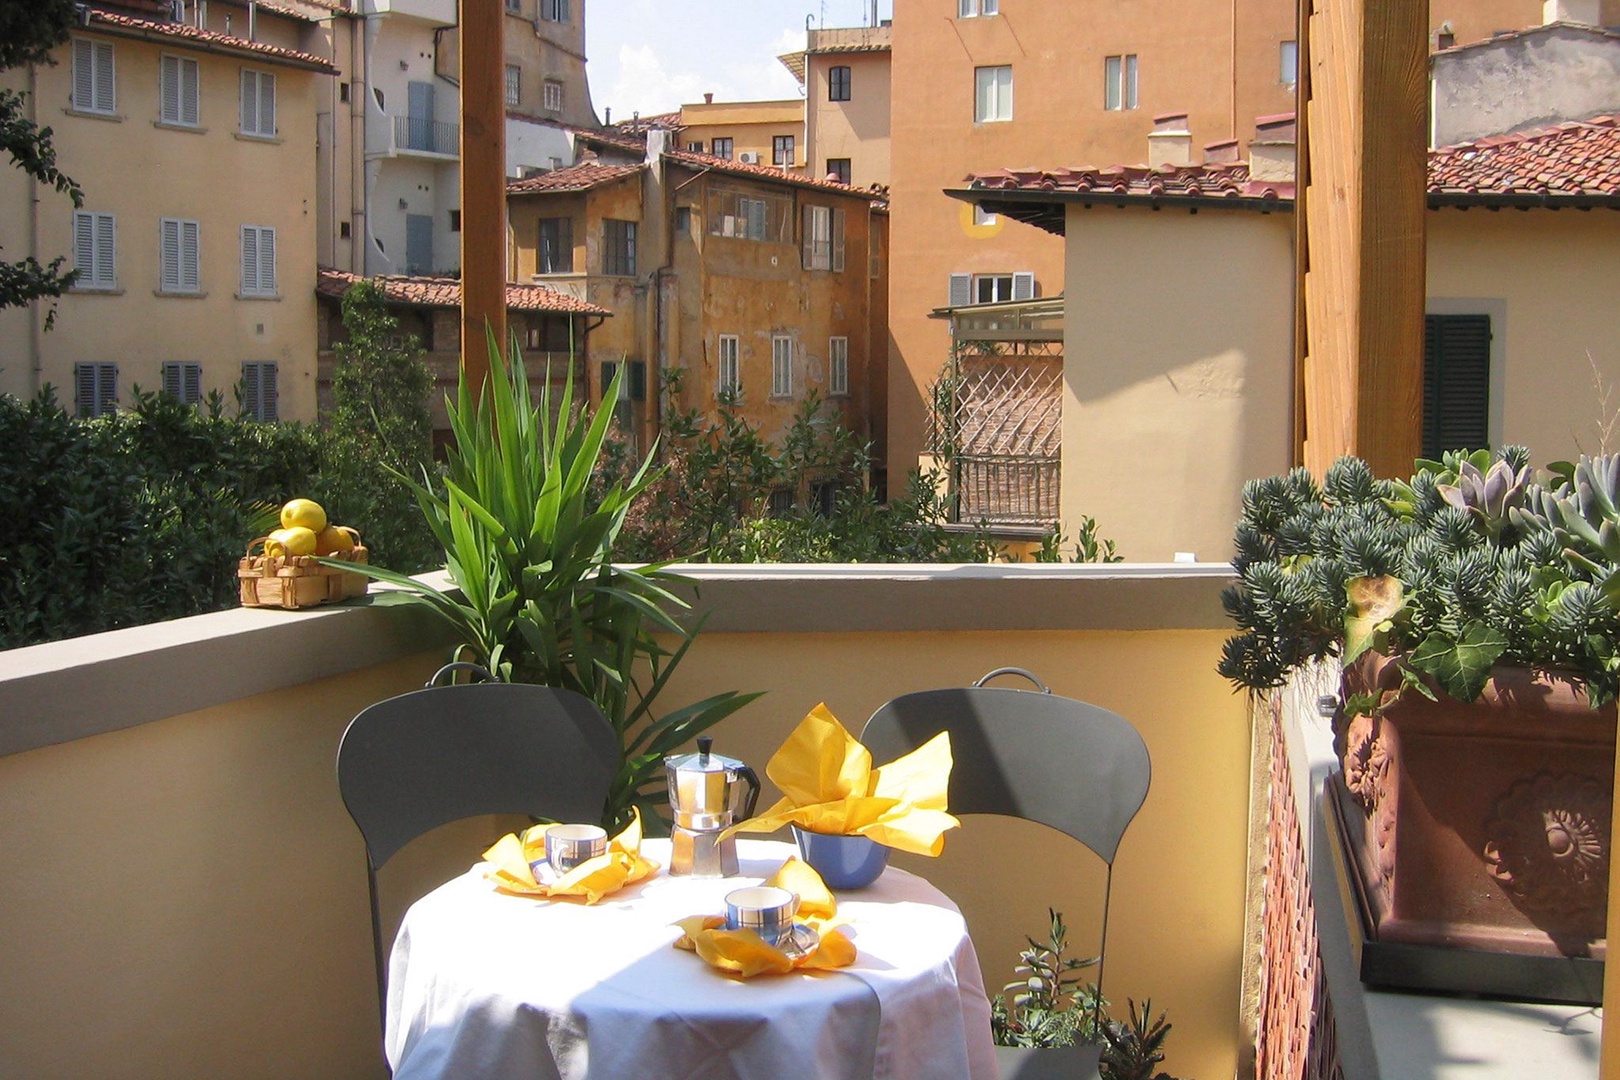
[[481, 68], [1363, 261]]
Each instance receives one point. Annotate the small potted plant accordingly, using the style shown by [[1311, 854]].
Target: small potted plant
[[1474, 609]]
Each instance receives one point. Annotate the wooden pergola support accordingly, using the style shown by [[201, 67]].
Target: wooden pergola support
[[481, 68]]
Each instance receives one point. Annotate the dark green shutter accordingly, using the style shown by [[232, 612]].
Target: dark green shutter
[[1456, 383]]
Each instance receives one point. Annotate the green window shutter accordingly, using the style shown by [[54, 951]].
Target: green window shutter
[[1456, 383]]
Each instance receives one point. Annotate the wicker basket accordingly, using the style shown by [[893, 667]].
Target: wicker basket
[[291, 582]]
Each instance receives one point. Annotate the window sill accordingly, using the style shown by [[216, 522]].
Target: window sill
[[177, 295], [245, 136], [189, 129], [111, 117], [273, 297], [91, 290], [993, 120]]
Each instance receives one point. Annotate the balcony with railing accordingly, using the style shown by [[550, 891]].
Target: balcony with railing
[[417, 136]]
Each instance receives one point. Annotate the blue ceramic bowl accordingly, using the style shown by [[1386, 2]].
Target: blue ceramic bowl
[[844, 862]]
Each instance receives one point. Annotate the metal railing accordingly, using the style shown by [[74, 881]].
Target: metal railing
[[421, 135], [1011, 489]]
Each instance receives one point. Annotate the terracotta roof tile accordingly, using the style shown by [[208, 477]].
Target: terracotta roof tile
[[581, 177], [1529, 31], [182, 32], [635, 144], [446, 293], [1228, 180], [640, 125], [765, 172], [1571, 160]]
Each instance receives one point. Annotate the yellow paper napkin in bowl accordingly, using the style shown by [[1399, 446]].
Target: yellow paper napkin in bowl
[[744, 954], [829, 786], [507, 866]]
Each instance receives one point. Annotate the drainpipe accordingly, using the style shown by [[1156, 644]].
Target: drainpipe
[[253, 21], [36, 329]]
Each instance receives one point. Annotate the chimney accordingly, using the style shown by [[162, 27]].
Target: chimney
[[607, 116], [657, 143], [1586, 12], [1271, 154], [708, 99], [1224, 152], [1169, 143]]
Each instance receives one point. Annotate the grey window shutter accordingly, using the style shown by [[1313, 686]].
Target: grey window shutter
[[105, 100], [837, 240], [809, 237], [1024, 285], [267, 391], [169, 255], [267, 260], [173, 381], [169, 89], [250, 390], [84, 246], [190, 92], [190, 269], [84, 76], [250, 260], [106, 251], [192, 386], [1456, 383], [106, 387], [250, 101], [84, 388], [961, 294], [267, 104]]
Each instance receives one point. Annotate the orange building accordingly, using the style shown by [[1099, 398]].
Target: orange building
[[752, 132], [981, 85], [845, 75]]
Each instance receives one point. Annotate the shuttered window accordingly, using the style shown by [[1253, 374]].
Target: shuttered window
[[781, 366], [619, 247], [179, 89], [95, 389], [259, 390], [556, 246], [823, 238], [838, 365], [1456, 383], [95, 250], [93, 89], [258, 260], [182, 380], [730, 373], [961, 292], [179, 256], [258, 103]]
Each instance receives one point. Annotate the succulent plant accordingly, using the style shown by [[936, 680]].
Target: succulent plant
[[1583, 512]]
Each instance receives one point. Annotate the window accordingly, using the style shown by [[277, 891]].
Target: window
[[782, 150], [259, 390], [838, 83], [343, 93], [683, 220], [823, 238], [258, 260], [838, 169], [178, 256], [514, 85], [619, 247], [95, 389], [514, 6], [93, 77], [781, 366], [183, 381], [767, 218], [556, 246], [554, 10], [95, 250], [993, 93], [455, 221], [694, 148], [721, 148], [178, 91], [1456, 383], [967, 9], [1119, 82], [838, 365], [551, 95], [981, 216], [730, 381], [258, 104], [966, 289], [1288, 63]]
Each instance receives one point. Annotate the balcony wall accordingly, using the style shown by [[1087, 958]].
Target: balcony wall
[[185, 896]]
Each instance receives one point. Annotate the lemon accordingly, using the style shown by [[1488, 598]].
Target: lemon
[[294, 541], [334, 540], [303, 513]]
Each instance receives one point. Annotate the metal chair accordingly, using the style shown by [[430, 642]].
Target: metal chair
[[1074, 767], [411, 763]]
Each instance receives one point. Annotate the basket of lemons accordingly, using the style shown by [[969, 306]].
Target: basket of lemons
[[285, 572]]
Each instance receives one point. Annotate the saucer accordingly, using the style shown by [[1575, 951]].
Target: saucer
[[799, 944]]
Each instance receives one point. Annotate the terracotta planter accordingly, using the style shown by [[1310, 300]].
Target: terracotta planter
[[1481, 826]]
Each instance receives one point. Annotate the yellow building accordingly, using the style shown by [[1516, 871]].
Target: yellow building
[[990, 84], [196, 244], [743, 278], [752, 132], [845, 75]]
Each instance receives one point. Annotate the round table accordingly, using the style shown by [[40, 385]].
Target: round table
[[482, 984]]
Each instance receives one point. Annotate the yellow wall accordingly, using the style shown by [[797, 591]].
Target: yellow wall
[[1177, 372], [1548, 282], [857, 129], [751, 125], [141, 172]]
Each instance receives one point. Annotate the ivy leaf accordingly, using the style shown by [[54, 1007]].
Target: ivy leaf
[[1461, 666], [1374, 603]]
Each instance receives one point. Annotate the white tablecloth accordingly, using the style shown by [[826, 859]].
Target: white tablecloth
[[486, 985]]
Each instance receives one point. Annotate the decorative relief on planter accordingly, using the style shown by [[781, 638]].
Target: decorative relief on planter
[[1366, 775], [1547, 845]]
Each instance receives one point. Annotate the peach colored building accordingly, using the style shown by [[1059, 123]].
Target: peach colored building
[[992, 84], [845, 75], [751, 132]]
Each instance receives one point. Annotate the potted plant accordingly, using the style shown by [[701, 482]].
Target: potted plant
[[1474, 609]]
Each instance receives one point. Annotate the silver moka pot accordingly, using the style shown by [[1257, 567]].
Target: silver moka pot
[[708, 793]]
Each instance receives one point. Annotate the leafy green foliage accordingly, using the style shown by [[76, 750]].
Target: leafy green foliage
[[378, 429], [529, 543], [1134, 1048]]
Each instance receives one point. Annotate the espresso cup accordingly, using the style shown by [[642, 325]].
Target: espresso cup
[[764, 909], [569, 845]]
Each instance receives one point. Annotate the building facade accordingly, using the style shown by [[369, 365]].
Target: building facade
[[845, 73], [750, 132]]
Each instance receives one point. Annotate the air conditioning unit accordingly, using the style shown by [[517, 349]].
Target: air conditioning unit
[[749, 157]]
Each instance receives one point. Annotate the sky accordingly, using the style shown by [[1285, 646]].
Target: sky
[[652, 56]]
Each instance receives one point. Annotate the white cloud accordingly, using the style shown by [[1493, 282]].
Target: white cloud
[[644, 85]]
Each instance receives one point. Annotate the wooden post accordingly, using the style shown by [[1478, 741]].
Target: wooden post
[[482, 68], [1361, 265]]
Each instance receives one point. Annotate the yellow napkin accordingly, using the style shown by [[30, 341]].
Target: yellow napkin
[[507, 866], [744, 953], [829, 786]]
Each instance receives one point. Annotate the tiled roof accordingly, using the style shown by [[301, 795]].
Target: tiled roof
[[1577, 162], [581, 177], [1529, 31], [181, 32], [764, 172], [634, 144], [446, 293], [1219, 181], [640, 125]]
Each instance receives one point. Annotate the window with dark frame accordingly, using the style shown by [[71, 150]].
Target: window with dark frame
[[556, 254], [618, 247], [721, 148], [838, 168], [838, 83]]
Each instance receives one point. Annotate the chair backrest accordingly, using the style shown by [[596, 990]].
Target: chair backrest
[[1075, 767], [414, 762]]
